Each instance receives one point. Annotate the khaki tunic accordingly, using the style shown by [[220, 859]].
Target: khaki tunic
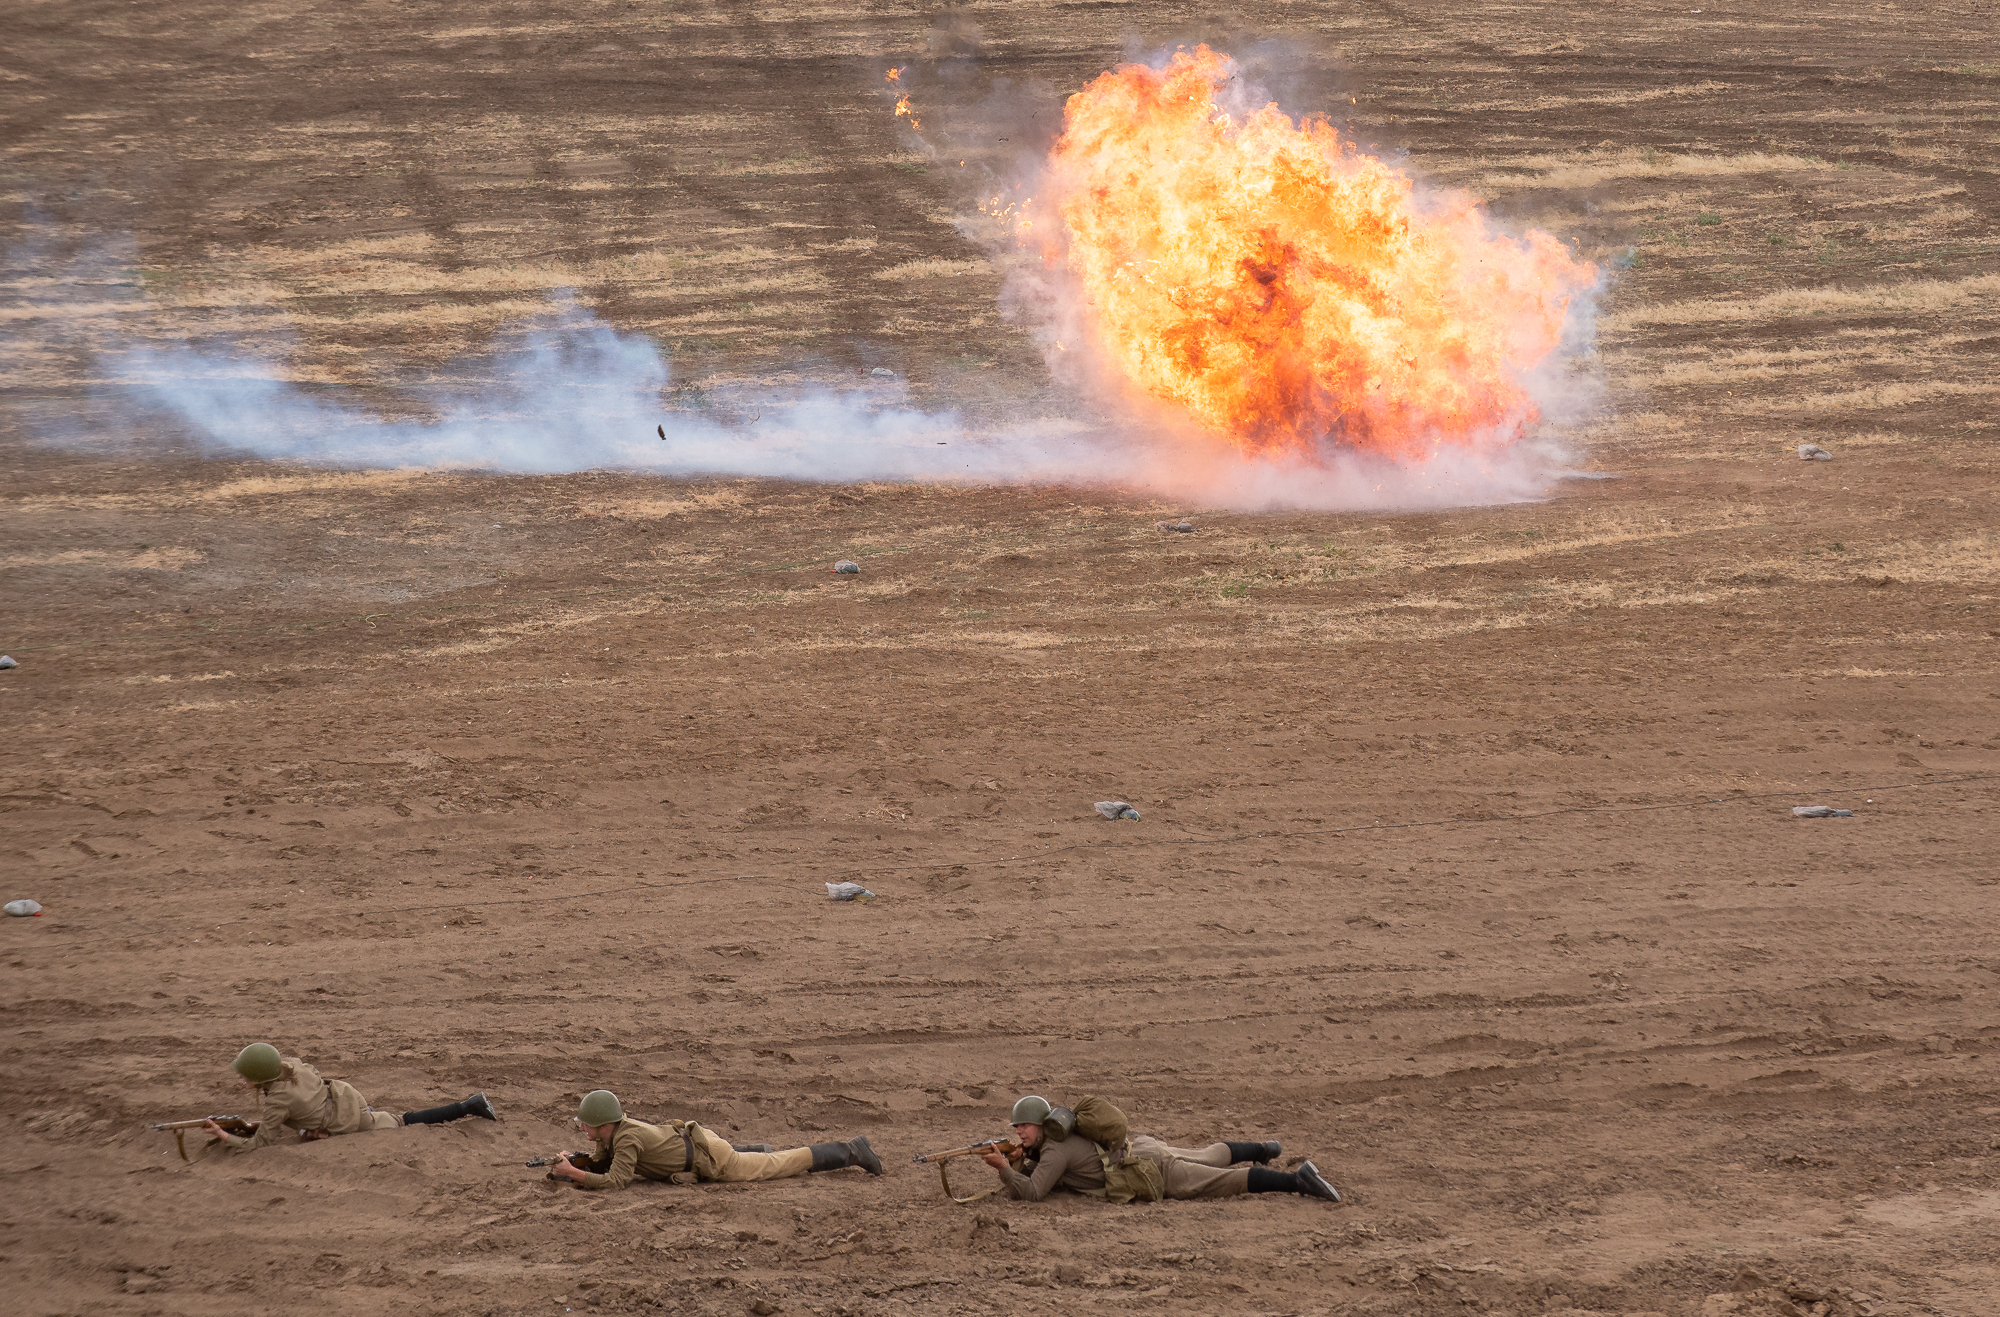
[[1073, 1164], [307, 1102], [658, 1152]]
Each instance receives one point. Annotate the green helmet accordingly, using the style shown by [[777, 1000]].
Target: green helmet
[[1030, 1110], [600, 1107], [259, 1063]]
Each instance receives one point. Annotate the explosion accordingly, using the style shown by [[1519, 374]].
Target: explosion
[[1288, 291]]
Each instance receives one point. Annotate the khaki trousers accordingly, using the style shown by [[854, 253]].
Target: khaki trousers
[[347, 1112], [735, 1167], [1195, 1172]]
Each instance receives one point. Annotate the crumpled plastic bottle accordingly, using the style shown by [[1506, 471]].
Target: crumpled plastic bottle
[[1116, 809], [1820, 812], [849, 892]]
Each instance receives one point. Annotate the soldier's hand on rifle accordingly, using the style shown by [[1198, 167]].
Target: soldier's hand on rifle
[[215, 1131], [565, 1169], [995, 1158]]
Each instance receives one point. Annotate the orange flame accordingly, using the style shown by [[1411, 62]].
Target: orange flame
[[1287, 290], [892, 75], [903, 110]]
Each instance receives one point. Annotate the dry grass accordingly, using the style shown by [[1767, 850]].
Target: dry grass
[[1875, 397], [1917, 296], [155, 560], [1746, 365], [933, 268], [1593, 168]]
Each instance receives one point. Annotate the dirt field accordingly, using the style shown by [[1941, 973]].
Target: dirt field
[[1467, 864]]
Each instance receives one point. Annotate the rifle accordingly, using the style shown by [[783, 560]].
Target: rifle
[[1007, 1148], [580, 1160], [234, 1124]]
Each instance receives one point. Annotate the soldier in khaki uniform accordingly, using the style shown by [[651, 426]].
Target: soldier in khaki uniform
[[1053, 1156], [684, 1152], [295, 1097]]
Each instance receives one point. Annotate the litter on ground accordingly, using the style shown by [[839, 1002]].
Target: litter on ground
[[1820, 812], [1116, 809], [22, 909], [849, 892], [847, 567]]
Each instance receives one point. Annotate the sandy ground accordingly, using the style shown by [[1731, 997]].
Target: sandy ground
[[1467, 864]]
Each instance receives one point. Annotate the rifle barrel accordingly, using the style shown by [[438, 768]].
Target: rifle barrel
[[967, 1151]]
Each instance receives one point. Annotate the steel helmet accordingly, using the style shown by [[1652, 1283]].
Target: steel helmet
[[1030, 1110], [600, 1107], [259, 1063]]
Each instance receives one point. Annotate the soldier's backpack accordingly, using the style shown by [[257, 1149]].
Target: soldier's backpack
[[1128, 1177]]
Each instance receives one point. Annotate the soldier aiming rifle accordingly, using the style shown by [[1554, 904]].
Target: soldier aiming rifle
[[294, 1096], [682, 1152], [1091, 1150]]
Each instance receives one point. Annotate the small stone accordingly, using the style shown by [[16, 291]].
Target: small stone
[[1179, 527], [849, 892], [1814, 453], [764, 1307], [883, 372], [847, 567], [23, 909], [8, 661]]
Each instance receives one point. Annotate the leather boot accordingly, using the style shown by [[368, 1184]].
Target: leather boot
[[450, 1111], [1306, 1180], [854, 1152], [1255, 1152]]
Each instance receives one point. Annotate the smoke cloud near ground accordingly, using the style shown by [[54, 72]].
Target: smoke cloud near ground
[[578, 394]]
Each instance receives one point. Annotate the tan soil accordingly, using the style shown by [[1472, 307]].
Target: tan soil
[[1467, 867]]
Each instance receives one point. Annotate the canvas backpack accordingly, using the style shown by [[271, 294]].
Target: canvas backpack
[[1128, 1177]]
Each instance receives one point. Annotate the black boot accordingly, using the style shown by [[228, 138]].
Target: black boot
[[854, 1152], [1306, 1180], [435, 1115], [1255, 1152], [476, 1105]]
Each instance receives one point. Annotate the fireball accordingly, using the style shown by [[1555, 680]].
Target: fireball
[[1289, 292]]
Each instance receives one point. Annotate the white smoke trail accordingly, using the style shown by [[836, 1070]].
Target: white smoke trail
[[577, 395]]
